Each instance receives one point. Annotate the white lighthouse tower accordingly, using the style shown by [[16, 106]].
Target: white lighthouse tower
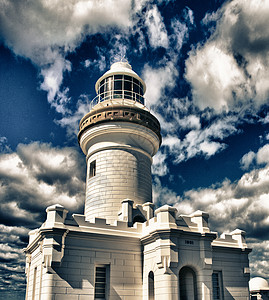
[[119, 136], [121, 248]]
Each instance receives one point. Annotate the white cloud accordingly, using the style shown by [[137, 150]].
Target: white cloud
[[156, 28], [266, 119], [199, 141], [163, 195], [99, 64], [53, 77], [189, 15], [247, 160], [28, 27], [180, 34], [244, 203], [165, 74], [263, 155], [159, 165], [189, 122], [241, 204], [252, 158], [46, 31], [210, 148], [214, 76], [70, 121], [231, 68], [119, 47], [157, 80], [13, 230], [4, 147]]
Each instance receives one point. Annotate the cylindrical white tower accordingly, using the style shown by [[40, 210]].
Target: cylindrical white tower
[[119, 136]]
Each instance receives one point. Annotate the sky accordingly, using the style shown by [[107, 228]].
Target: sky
[[206, 67]]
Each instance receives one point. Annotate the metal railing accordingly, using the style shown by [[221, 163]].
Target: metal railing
[[118, 95]]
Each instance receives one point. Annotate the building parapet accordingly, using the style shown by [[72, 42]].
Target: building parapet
[[139, 221]]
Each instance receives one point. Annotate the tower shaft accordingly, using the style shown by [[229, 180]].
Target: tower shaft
[[119, 137]]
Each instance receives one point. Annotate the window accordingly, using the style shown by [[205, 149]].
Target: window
[[101, 282], [34, 283], [92, 169], [151, 285], [121, 87], [217, 285]]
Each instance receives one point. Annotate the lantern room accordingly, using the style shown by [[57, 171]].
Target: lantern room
[[120, 85]]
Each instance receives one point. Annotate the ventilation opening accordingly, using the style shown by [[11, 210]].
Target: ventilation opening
[[101, 282], [92, 169]]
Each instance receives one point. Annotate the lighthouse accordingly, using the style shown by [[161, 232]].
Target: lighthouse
[[119, 136], [122, 247]]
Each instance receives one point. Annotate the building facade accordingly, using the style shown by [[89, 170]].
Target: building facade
[[122, 247]]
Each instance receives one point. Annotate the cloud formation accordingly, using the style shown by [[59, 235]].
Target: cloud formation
[[156, 29], [231, 68], [255, 159], [36, 176], [46, 31], [245, 203]]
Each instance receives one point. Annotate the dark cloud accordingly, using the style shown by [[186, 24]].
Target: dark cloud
[[12, 260], [39, 175], [34, 177]]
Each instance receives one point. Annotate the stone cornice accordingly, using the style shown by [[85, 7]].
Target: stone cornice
[[122, 114]]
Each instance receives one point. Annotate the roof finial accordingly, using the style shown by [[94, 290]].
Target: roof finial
[[123, 59], [119, 58]]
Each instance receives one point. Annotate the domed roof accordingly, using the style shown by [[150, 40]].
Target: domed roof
[[258, 283]]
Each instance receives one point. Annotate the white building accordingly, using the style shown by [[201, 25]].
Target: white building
[[122, 248], [259, 288]]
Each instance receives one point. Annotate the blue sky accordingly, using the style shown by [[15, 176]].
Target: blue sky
[[206, 67]]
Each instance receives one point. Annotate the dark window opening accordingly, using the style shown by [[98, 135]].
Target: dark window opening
[[117, 77], [92, 169], [138, 219], [121, 87], [187, 284], [117, 85], [127, 86], [127, 95], [151, 285], [217, 285], [100, 283]]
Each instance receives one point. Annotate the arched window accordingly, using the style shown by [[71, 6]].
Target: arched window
[[187, 284], [151, 286]]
